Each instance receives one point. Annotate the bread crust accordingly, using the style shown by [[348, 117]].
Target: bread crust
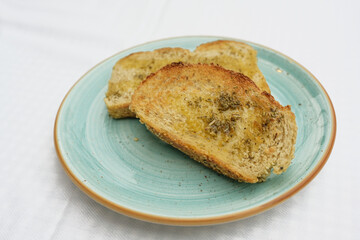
[[220, 44], [232, 80], [159, 51], [200, 156]]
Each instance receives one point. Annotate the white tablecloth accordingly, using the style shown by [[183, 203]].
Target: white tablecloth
[[45, 46]]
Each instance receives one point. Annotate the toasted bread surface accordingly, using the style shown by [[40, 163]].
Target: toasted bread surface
[[232, 55], [219, 118], [130, 71]]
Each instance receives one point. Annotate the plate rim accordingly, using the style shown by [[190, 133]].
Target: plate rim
[[198, 221]]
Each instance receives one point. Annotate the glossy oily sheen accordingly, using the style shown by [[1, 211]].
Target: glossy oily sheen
[[124, 167]]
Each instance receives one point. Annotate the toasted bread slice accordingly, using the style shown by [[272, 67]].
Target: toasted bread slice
[[232, 55], [219, 118], [128, 72]]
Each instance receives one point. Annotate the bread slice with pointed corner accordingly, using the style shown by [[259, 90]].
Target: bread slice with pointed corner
[[232, 55], [219, 118], [129, 72]]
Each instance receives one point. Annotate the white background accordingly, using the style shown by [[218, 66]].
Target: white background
[[45, 46]]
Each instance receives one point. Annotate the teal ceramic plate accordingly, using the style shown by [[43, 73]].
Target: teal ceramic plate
[[150, 180]]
